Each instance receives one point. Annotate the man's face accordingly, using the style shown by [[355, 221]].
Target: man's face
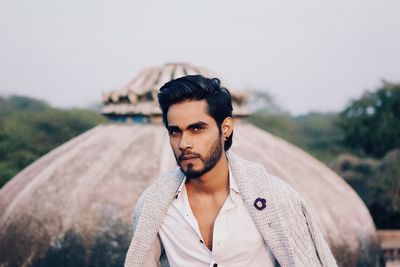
[[194, 137]]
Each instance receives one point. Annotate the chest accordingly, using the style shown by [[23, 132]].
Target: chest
[[227, 235], [206, 213]]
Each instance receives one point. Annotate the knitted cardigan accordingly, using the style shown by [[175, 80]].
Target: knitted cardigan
[[284, 221]]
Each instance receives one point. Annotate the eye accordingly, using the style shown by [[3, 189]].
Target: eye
[[174, 132], [197, 129]]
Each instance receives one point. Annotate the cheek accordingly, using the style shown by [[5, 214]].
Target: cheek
[[174, 143], [210, 140]]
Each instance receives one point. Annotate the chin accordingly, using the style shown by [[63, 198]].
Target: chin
[[193, 176], [189, 168], [191, 173]]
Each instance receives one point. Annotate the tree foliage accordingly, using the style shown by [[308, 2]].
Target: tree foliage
[[30, 128], [265, 103], [371, 124], [317, 133], [378, 184], [371, 127]]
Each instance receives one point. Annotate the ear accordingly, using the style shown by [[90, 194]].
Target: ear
[[227, 127]]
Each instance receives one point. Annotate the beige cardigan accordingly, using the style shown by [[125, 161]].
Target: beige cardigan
[[285, 222]]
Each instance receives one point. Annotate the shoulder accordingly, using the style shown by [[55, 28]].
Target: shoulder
[[163, 184], [283, 188], [255, 174], [160, 190]]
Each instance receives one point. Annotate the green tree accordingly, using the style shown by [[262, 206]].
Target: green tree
[[320, 135], [389, 179], [317, 133], [271, 116], [371, 124], [29, 128], [378, 184]]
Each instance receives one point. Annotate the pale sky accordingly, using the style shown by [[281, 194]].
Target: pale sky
[[312, 55]]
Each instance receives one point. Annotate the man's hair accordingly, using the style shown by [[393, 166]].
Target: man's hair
[[198, 87]]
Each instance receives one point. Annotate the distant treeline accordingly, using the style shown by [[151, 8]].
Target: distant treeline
[[360, 143], [29, 128]]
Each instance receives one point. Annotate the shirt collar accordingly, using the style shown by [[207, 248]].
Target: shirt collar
[[232, 183], [180, 187]]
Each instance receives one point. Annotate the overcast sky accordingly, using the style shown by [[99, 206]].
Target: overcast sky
[[311, 55]]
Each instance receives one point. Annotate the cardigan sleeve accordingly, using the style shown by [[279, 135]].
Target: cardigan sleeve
[[136, 213], [323, 251], [154, 258]]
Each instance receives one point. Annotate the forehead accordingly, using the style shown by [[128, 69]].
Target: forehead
[[185, 113]]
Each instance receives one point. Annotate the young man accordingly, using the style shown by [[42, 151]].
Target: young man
[[218, 209]]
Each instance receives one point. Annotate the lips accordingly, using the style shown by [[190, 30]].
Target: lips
[[188, 157]]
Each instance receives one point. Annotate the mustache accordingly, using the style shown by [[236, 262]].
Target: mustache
[[188, 155]]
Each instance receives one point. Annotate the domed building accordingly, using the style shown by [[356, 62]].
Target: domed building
[[73, 206]]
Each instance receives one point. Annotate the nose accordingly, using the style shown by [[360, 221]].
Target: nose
[[185, 142]]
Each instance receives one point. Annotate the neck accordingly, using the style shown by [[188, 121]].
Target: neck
[[213, 182]]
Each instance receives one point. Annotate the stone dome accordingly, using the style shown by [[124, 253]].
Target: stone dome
[[75, 203]]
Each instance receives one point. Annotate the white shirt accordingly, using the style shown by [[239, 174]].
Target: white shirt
[[236, 240]]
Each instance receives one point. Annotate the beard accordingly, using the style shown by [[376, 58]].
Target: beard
[[209, 161]]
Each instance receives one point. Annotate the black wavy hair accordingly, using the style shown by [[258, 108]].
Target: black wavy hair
[[198, 87]]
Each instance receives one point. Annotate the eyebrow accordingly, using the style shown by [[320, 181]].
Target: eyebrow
[[190, 126], [197, 125], [173, 128]]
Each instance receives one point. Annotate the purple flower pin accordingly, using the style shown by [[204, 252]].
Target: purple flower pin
[[260, 203]]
